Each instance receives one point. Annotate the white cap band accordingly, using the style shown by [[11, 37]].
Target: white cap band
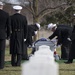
[[38, 25], [17, 7], [51, 25], [1, 3]]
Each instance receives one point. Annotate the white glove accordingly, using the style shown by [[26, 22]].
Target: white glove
[[58, 46], [69, 39], [35, 32], [24, 40], [48, 39]]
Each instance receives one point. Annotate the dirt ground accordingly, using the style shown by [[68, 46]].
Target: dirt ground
[[44, 33]]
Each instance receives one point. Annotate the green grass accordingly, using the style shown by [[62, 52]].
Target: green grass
[[64, 69]]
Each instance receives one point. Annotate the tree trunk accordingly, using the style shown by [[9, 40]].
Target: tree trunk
[[35, 18]]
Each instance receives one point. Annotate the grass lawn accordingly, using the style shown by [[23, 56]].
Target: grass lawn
[[64, 69]]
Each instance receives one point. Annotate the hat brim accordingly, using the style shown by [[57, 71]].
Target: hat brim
[[17, 7]]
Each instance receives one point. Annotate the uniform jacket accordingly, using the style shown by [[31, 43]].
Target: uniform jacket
[[4, 25], [62, 32], [31, 32], [19, 33], [72, 50]]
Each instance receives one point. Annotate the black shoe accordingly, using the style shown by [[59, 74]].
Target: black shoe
[[1, 67], [14, 65], [25, 58], [68, 62], [18, 65], [63, 58]]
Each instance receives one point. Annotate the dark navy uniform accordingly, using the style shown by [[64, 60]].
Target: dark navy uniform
[[31, 32], [72, 50], [19, 33], [29, 41], [63, 32], [4, 32]]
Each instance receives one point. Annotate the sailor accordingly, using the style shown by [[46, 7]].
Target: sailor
[[63, 33], [18, 36], [4, 34]]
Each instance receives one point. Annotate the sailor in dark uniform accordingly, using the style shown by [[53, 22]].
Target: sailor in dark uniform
[[32, 31], [63, 33], [18, 36], [4, 31], [72, 50]]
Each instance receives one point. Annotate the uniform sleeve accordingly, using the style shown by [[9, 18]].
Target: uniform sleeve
[[57, 33], [52, 36], [70, 32], [73, 34], [59, 42], [8, 25], [32, 30], [25, 28]]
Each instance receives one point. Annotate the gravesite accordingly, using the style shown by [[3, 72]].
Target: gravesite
[[37, 37]]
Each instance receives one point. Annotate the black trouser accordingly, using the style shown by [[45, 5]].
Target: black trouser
[[65, 50], [70, 60], [2, 53], [16, 59], [25, 55], [33, 50]]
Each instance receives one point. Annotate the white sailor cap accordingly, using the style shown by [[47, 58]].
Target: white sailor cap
[[38, 25], [51, 25], [1, 3], [73, 14], [17, 7]]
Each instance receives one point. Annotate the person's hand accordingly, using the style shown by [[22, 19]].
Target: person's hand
[[58, 46], [24, 40], [35, 32], [68, 39], [48, 39]]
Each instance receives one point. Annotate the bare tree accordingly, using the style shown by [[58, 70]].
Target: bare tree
[[40, 8]]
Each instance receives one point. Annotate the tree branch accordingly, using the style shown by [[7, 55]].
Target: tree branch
[[49, 10]]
